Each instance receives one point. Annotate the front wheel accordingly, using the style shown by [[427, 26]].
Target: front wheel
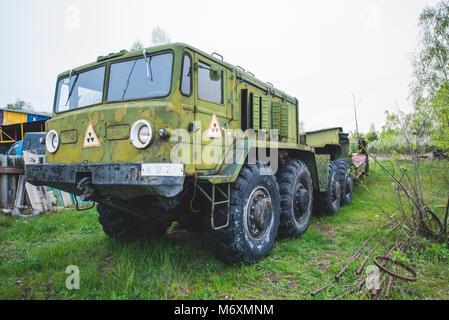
[[254, 218], [122, 226]]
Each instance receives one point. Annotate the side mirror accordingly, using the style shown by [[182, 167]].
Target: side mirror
[[214, 71], [214, 74]]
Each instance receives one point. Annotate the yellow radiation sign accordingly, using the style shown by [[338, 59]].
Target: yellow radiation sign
[[90, 138], [214, 130]]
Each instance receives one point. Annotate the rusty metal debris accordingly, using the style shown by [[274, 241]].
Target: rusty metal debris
[[389, 284], [376, 291], [359, 271], [381, 265], [389, 280], [354, 257]]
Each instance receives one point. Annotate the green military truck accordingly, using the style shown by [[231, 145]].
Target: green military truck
[[171, 133]]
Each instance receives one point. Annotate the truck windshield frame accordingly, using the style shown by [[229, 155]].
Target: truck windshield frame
[[79, 80], [129, 81], [92, 80]]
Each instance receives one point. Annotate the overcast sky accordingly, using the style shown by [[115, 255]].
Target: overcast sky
[[318, 51]]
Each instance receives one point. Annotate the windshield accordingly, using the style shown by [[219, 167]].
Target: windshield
[[148, 77], [80, 90]]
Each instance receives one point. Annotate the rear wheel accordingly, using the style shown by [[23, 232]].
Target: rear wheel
[[123, 226], [329, 201], [254, 218], [296, 190], [366, 165], [346, 181]]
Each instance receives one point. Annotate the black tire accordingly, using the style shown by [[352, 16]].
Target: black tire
[[195, 223], [346, 181], [367, 165], [329, 201], [296, 191], [122, 226], [240, 242]]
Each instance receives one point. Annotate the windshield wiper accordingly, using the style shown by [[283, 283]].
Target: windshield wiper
[[72, 87], [127, 81], [148, 62], [149, 72]]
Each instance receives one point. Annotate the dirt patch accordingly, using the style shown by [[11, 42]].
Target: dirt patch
[[105, 264], [227, 296], [407, 157], [273, 277], [327, 230], [324, 261], [292, 283], [14, 254], [321, 264], [48, 293], [178, 234]]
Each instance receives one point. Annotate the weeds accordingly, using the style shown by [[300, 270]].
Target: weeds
[[35, 252]]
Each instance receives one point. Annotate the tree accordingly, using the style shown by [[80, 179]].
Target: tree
[[430, 85], [440, 110], [20, 105], [431, 63], [137, 45], [372, 136], [159, 36]]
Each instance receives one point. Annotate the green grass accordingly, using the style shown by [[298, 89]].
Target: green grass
[[35, 252]]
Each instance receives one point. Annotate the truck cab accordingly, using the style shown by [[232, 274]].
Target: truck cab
[[169, 133], [15, 149]]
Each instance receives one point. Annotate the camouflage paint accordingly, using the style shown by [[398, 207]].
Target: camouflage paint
[[112, 121]]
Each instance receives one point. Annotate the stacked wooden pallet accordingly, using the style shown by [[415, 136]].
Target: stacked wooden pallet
[[17, 194]]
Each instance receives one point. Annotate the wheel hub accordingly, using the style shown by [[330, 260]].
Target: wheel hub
[[259, 213], [336, 191], [349, 185], [301, 201]]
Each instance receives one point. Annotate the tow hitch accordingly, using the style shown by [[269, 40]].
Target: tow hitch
[[89, 193], [87, 190]]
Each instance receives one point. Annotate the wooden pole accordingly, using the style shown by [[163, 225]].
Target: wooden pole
[[3, 183]]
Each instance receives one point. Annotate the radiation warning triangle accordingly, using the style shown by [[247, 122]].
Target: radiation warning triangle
[[214, 130], [90, 138]]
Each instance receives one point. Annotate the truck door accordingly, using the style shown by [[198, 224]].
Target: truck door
[[211, 111]]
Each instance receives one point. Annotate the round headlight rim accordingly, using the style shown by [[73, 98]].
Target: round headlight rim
[[135, 134], [49, 139], [139, 134]]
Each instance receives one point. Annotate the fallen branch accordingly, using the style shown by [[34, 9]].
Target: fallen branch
[[355, 288], [376, 291], [390, 282], [353, 257], [359, 271]]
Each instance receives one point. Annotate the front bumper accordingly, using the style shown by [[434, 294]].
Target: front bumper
[[122, 181]]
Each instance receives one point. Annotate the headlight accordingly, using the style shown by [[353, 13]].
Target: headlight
[[52, 141], [141, 134]]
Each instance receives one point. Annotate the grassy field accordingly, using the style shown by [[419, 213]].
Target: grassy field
[[35, 252]]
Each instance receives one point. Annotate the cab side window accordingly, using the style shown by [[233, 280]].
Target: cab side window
[[209, 89], [13, 151], [186, 78]]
